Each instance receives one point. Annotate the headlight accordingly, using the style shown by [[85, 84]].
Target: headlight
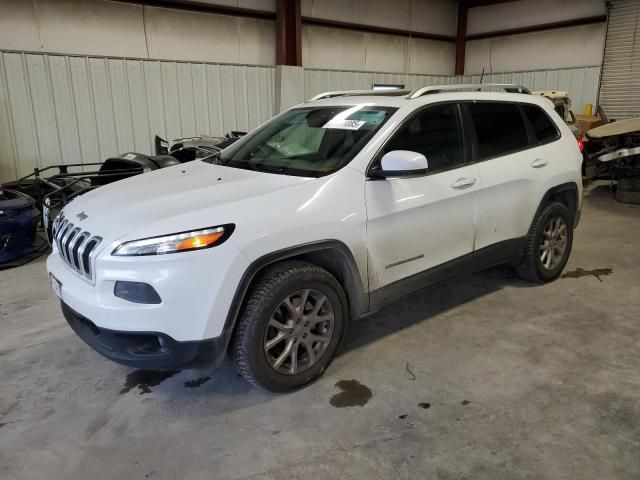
[[176, 242]]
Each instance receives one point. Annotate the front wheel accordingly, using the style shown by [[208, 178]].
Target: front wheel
[[290, 327], [548, 244]]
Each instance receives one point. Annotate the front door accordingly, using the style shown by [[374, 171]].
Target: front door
[[417, 223]]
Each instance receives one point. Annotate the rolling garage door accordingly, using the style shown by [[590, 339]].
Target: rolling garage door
[[620, 84]]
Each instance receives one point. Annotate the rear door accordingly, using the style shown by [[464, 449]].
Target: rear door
[[512, 164]]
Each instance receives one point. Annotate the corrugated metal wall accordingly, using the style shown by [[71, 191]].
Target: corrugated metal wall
[[620, 91], [318, 81], [69, 109], [581, 82]]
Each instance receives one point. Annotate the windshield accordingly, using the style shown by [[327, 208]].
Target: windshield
[[311, 142]]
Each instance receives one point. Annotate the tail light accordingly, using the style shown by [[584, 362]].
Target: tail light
[[581, 144]]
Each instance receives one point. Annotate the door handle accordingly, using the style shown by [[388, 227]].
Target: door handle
[[463, 183], [539, 163]]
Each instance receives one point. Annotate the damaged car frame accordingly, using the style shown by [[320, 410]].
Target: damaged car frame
[[52, 187]]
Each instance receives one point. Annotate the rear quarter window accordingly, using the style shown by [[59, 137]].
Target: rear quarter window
[[543, 127], [500, 128]]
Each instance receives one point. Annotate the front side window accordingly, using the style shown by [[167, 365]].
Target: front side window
[[434, 132], [543, 127], [310, 141], [500, 128]]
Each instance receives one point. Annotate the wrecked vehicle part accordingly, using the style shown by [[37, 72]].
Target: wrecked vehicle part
[[19, 220], [615, 150], [618, 154], [41, 182], [36, 185], [628, 190], [52, 187], [628, 126], [187, 149], [111, 170], [615, 158], [562, 105]]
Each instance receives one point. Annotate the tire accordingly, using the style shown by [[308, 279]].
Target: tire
[[628, 190], [531, 266], [265, 315]]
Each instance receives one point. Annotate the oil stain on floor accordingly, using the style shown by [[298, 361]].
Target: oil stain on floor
[[145, 379], [197, 382], [354, 394], [596, 272]]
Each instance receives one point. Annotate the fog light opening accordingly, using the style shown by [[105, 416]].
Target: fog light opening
[[136, 292]]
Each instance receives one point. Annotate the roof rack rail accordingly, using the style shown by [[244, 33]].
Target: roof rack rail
[[342, 93], [507, 87]]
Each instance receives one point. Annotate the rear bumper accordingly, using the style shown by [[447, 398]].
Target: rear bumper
[[146, 350]]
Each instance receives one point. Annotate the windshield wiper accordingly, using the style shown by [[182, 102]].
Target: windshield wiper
[[213, 158], [261, 167], [256, 167]]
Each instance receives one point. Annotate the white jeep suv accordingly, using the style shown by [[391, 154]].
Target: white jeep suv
[[323, 214]]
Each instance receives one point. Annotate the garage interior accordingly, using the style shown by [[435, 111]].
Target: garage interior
[[486, 376]]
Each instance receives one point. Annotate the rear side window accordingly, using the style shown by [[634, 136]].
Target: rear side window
[[500, 128], [543, 127]]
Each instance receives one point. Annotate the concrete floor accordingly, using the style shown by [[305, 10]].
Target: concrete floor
[[484, 377]]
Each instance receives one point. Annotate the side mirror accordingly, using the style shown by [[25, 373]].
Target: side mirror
[[401, 163]]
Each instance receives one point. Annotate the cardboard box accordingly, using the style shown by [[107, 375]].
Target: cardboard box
[[587, 122]]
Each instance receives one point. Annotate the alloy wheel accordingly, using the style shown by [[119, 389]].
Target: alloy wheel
[[299, 331], [553, 242]]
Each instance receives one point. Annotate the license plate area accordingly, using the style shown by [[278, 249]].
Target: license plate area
[[56, 286]]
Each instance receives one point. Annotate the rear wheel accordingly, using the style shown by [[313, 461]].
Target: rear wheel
[[290, 326], [548, 244]]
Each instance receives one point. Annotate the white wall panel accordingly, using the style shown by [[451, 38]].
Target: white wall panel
[[96, 27], [434, 16], [205, 37], [561, 48], [61, 109], [431, 57], [318, 81], [581, 83], [524, 13], [429, 16], [19, 26], [333, 48], [265, 5], [117, 29]]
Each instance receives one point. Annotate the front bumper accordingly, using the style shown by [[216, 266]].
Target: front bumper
[[196, 291], [146, 350]]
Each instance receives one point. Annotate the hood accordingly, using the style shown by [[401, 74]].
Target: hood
[[177, 195], [621, 127]]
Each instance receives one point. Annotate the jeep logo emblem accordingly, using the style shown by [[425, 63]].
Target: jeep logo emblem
[[82, 216]]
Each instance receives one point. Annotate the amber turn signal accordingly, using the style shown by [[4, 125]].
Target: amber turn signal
[[199, 242]]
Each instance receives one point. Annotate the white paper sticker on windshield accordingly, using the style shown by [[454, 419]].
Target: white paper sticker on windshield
[[130, 156], [344, 124]]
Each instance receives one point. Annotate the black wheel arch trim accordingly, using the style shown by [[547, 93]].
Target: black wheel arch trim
[[563, 187], [352, 283]]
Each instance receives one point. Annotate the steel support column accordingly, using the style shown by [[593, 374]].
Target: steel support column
[[463, 10], [288, 33]]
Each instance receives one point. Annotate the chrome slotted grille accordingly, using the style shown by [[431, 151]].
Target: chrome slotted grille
[[75, 246]]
